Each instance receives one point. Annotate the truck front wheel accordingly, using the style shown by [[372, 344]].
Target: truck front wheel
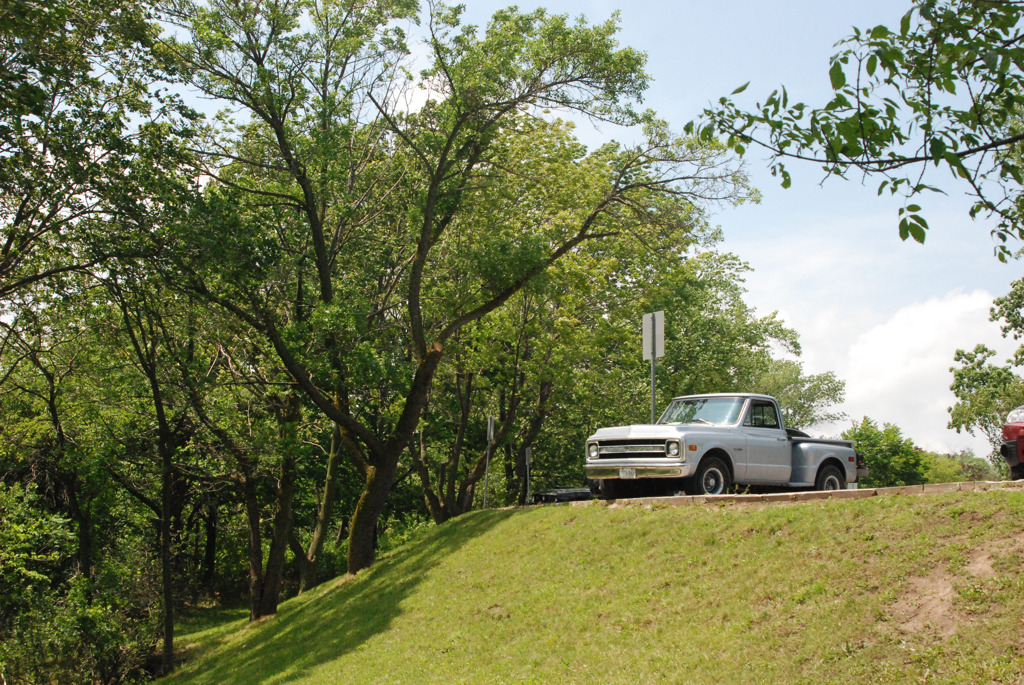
[[712, 478], [830, 478]]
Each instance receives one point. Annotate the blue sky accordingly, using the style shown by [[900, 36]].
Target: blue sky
[[885, 315]]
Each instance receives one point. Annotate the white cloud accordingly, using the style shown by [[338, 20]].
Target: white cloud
[[898, 371]]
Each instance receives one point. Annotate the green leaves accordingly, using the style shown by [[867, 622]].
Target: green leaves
[[836, 75], [912, 224], [892, 460], [944, 91]]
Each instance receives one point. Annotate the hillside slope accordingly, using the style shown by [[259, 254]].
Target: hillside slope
[[891, 589]]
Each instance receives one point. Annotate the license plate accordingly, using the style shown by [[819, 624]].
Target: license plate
[[627, 473]]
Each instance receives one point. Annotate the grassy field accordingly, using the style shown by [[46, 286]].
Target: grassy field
[[886, 589]]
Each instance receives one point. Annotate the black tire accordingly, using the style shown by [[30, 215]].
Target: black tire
[[1017, 472], [712, 478], [830, 478], [594, 486]]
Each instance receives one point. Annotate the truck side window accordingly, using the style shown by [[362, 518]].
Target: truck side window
[[762, 415]]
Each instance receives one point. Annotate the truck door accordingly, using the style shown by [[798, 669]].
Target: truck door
[[769, 453]]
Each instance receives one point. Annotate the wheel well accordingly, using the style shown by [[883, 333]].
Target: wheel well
[[831, 461], [724, 456]]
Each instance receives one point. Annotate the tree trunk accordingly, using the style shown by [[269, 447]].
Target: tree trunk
[[309, 567], [252, 515], [435, 507], [83, 518], [362, 538], [289, 416], [383, 465], [209, 564], [547, 389], [166, 569]]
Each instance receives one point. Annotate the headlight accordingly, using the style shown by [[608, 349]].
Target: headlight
[[672, 448], [1016, 416], [592, 450]]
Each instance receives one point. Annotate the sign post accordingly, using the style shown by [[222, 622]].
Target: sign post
[[529, 451], [487, 464], [654, 347]]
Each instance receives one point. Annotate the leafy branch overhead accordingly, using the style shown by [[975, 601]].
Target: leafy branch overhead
[[943, 91]]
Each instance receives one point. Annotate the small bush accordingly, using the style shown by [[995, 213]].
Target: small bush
[[74, 638]]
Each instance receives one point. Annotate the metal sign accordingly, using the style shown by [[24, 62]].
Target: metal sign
[[654, 347], [654, 335]]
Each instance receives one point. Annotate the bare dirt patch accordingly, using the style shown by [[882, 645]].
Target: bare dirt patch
[[980, 565], [927, 602]]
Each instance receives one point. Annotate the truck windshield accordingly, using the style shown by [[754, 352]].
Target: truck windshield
[[707, 410]]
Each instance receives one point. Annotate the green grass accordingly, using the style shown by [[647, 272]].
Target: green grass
[[829, 591]]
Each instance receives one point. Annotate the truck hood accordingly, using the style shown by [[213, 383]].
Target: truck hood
[[635, 431]]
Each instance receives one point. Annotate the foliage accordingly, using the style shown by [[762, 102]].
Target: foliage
[[892, 460], [230, 349], [987, 392], [943, 90], [359, 239], [79, 635], [56, 628], [805, 400], [953, 468], [33, 548], [86, 150]]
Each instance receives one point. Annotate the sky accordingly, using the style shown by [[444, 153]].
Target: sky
[[886, 316]]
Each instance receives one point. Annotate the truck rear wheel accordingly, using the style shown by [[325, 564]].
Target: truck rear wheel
[[830, 478], [712, 478]]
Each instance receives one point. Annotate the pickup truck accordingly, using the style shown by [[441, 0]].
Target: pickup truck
[[703, 444], [1013, 443]]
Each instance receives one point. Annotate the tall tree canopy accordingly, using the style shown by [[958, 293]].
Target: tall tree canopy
[[359, 238]]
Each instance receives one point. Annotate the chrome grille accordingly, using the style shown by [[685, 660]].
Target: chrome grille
[[613, 449]]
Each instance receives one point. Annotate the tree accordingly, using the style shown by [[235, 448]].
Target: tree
[[953, 468], [892, 460], [805, 400], [347, 218], [84, 147], [943, 90], [987, 392]]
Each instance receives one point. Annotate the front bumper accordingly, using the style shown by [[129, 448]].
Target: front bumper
[[632, 469]]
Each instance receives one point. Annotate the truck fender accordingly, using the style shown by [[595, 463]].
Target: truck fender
[[719, 451], [849, 471]]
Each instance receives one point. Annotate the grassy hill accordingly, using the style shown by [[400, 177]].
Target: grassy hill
[[886, 589]]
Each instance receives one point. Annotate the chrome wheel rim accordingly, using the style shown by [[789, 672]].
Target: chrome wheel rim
[[712, 482]]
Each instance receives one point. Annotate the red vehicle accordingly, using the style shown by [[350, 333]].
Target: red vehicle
[[1013, 443]]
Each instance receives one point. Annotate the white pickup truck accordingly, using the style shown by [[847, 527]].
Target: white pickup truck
[[703, 444]]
